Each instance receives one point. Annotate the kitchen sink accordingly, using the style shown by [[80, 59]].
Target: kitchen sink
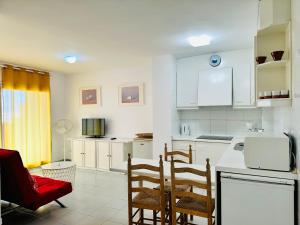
[[218, 138]]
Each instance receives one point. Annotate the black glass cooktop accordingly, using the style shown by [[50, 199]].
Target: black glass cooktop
[[211, 137]]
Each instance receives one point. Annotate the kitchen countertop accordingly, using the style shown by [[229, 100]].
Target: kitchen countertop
[[232, 161], [194, 138]]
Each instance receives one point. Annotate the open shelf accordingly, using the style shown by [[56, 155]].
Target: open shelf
[[273, 75], [273, 29], [272, 64], [274, 102]]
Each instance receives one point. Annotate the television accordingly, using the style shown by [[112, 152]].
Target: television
[[93, 127]]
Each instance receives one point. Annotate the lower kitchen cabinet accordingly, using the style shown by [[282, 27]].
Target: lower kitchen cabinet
[[202, 150], [100, 153], [211, 150]]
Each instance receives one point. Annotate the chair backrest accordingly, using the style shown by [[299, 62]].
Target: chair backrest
[[16, 183], [177, 193], [156, 180], [179, 155]]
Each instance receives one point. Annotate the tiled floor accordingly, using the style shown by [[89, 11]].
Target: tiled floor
[[99, 198]]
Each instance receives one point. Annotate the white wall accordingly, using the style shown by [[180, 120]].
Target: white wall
[[164, 113], [57, 82], [121, 121]]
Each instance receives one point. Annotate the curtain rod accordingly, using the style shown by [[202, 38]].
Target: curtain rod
[[26, 69]]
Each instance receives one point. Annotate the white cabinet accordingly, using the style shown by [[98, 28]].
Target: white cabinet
[[103, 155], [142, 149], [272, 12], [211, 150], [119, 154], [100, 154], [77, 152], [187, 84], [89, 154]]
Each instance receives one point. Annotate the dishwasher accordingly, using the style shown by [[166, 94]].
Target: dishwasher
[[249, 200]]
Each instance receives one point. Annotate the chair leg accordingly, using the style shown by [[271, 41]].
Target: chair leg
[[142, 216], [60, 204], [129, 215], [154, 218], [191, 216], [170, 210], [173, 217]]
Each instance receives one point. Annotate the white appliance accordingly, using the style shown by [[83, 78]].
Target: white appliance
[[142, 149], [265, 151], [185, 130], [215, 87], [254, 200]]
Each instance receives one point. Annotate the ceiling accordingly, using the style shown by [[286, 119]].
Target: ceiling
[[107, 34]]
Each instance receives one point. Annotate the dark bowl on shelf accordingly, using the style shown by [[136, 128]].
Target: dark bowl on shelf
[[261, 59], [277, 55]]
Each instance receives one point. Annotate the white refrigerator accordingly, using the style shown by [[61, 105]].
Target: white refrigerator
[[255, 200]]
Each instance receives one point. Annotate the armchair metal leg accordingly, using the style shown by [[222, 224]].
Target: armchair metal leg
[[60, 204]]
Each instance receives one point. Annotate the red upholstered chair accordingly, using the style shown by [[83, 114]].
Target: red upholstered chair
[[23, 189]]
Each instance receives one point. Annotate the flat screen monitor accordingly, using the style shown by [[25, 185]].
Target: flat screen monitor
[[93, 127]]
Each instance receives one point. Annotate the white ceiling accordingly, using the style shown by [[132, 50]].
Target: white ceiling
[[118, 33]]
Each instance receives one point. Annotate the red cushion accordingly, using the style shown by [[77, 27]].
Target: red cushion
[[49, 190]]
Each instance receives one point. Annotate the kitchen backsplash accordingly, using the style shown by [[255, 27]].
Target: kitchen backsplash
[[225, 120]]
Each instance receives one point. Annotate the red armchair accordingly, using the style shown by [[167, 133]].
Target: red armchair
[[23, 189]]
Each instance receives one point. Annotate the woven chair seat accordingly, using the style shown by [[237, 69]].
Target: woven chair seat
[[191, 204]]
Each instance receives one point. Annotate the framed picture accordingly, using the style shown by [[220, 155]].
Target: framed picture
[[90, 96], [132, 94]]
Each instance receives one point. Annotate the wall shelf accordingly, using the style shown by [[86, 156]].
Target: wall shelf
[[272, 64], [274, 102]]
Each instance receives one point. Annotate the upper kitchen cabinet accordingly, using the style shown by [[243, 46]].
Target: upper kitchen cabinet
[[243, 81], [273, 12], [187, 83]]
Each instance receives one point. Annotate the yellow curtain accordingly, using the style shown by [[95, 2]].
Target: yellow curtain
[[26, 115]]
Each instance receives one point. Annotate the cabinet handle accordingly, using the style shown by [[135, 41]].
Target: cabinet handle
[[142, 144]]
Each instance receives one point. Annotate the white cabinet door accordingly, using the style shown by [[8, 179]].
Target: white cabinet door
[[213, 151], [103, 155], [215, 87], [187, 84], [243, 85], [77, 152], [117, 155], [90, 154]]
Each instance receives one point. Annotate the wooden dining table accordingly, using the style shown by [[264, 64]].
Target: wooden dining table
[[167, 169]]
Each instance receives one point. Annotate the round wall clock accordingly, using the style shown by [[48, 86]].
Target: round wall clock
[[215, 60]]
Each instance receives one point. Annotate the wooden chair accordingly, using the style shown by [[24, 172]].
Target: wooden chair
[[187, 157], [146, 198], [180, 157], [190, 203]]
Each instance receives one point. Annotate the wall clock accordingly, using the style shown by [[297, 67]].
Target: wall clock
[[215, 60]]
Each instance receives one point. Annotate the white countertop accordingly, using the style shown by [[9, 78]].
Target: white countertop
[[194, 138], [232, 161], [117, 140]]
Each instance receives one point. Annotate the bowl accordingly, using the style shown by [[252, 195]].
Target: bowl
[[261, 59], [277, 55]]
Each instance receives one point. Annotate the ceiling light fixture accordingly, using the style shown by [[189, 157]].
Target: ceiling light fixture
[[70, 59], [197, 41]]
